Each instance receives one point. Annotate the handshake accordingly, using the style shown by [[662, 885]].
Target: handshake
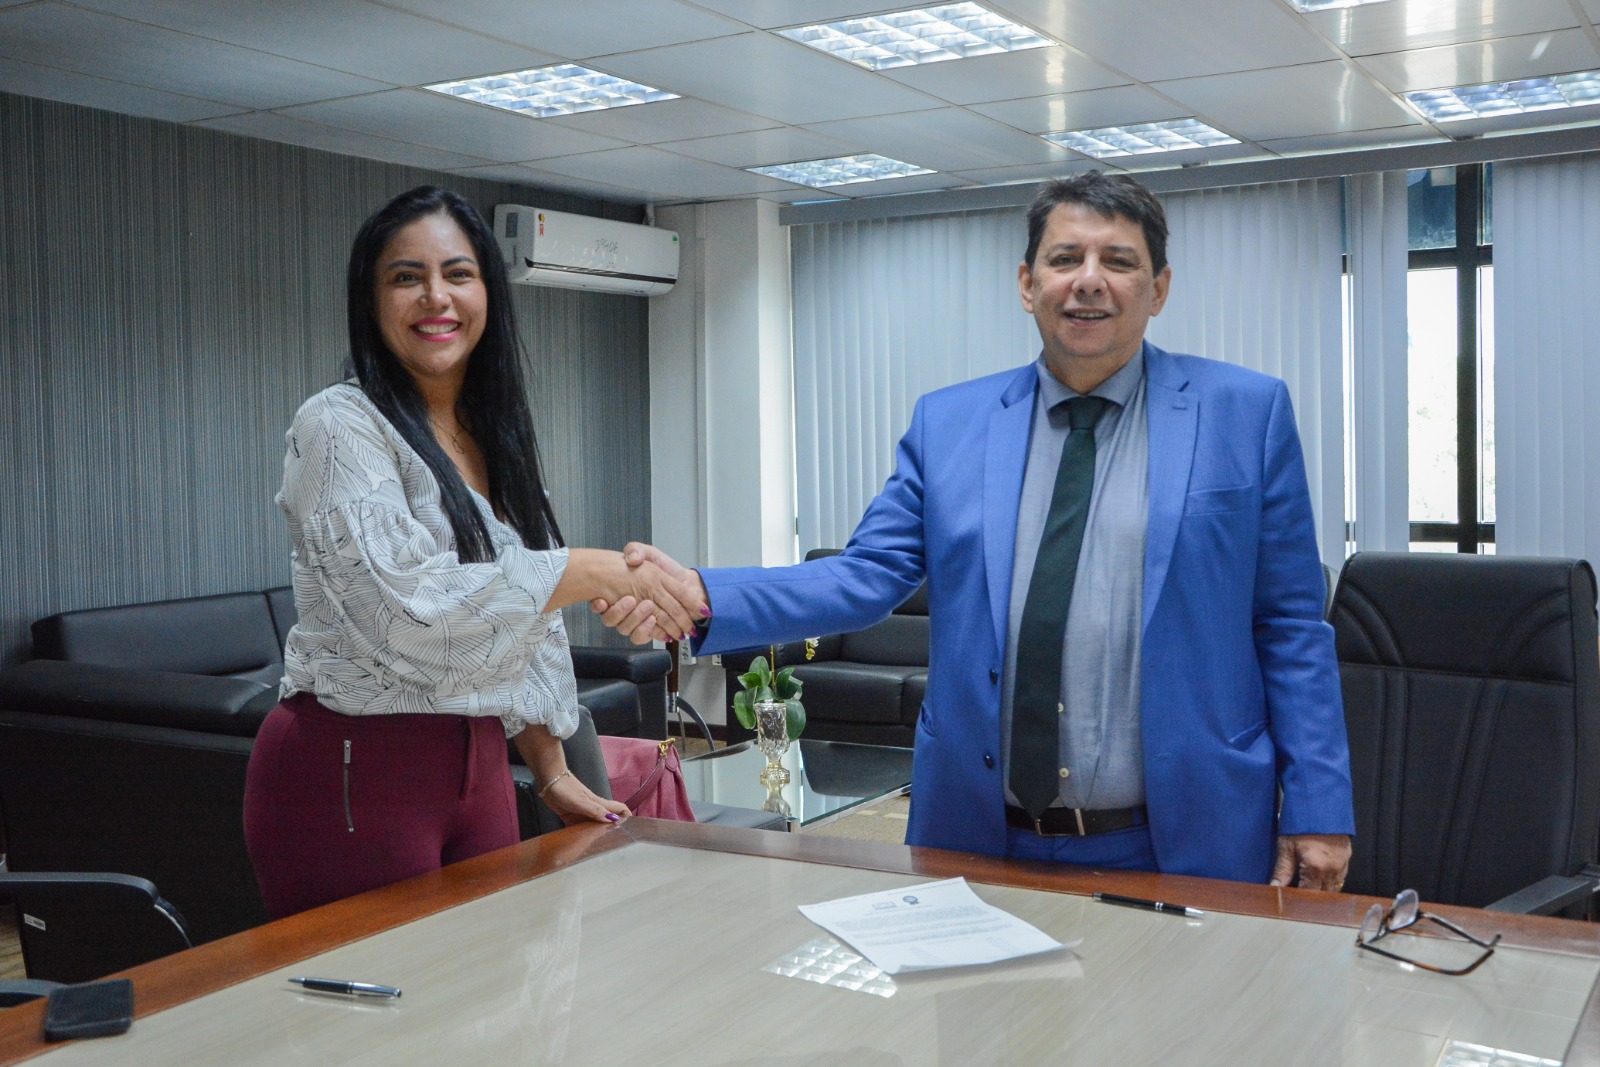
[[654, 599]]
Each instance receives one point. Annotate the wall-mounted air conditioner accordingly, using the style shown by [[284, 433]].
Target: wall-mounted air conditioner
[[579, 252]]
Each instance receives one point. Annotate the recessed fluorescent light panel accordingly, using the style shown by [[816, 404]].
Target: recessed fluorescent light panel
[[842, 170], [922, 35], [564, 89], [1177, 135], [1508, 98], [1309, 6]]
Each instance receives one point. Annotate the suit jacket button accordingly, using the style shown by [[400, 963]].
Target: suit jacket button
[[994, 675], [988, 761]]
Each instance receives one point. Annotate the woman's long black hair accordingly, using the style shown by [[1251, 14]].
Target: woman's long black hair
[[493, 405]]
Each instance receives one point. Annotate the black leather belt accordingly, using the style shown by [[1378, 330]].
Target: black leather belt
[[1077, 822]]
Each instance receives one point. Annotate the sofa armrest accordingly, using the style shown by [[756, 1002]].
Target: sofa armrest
[[139, 697], [633, 665], [1553, 894]]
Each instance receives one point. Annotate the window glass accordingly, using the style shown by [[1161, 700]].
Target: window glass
[[1486, 395], [1431, 382], [1431, 200]]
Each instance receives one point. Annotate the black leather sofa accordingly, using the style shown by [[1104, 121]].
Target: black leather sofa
[[240, 636], [865, 687], [142, 773]]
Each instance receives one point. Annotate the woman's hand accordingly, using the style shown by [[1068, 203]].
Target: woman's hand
[[674, 604], [560, 789], [573, 802]]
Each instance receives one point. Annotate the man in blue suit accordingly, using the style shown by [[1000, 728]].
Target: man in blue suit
[[1129, 665]]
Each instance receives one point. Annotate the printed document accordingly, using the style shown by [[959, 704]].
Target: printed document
[[922, 927]]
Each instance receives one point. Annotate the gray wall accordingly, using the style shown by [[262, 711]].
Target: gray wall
[[168, 297]]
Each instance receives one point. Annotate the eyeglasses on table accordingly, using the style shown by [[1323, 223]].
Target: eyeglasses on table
[[1404, 912]]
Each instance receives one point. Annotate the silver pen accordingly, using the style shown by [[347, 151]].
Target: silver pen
[[349, 989]]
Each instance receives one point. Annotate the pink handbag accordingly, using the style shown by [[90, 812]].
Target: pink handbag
[[646, 776]]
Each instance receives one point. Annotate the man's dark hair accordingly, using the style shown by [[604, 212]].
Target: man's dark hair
[[493, 405], [1109, 196]]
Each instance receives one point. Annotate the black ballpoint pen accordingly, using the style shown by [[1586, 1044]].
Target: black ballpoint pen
[[349, 989], [1149, 905]]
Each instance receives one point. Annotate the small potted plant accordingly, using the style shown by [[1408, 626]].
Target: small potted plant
[[769, 704]]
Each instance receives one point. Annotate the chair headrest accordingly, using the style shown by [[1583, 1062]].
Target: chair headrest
[[1503, 616]]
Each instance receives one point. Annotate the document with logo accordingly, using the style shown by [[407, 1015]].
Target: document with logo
[[923, 927]]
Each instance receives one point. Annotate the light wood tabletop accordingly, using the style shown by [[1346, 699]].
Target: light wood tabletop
[[647, 941]]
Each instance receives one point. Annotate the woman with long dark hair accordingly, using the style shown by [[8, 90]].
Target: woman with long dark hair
[[429, 571]]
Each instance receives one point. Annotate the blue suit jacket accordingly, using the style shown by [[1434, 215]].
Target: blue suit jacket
[[1240, 691]]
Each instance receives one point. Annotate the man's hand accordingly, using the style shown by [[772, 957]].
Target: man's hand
[[632, 617], [1312, 861]]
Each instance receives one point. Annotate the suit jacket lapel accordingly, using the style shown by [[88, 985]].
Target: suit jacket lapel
[[1173, 416], [1005, 456]]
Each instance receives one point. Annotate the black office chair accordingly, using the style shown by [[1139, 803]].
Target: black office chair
[[77, 927], [1472, 698]]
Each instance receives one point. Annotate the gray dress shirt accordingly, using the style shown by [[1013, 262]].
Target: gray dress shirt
[[1100, 746]]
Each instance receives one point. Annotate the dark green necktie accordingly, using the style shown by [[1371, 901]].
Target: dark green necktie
[[1036, 697]]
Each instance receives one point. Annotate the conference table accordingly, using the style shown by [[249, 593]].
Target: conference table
[[657, 942]]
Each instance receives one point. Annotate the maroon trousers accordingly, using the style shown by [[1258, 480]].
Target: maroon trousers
[[338, 804]]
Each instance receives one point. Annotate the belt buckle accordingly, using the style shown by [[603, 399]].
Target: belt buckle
[[1077, 817]]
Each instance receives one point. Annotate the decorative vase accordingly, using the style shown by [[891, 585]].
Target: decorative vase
[[775, 801], [772, 738]]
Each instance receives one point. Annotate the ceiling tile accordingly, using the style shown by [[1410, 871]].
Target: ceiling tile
[[70, 87], [772, 13], [56, 35], [1119, 106], [1175, 38], [1354, 141], [349, 35], [1007, 75], [795, 194], [947, 139], [769, 76], [1503, 59], [1033, 172], [417, 116], [272, 126], [664, 120], [1402, 24], [532, 176], [762, 148], [659, 173], [1592, 9], [915, 183], [1226, 153], [1291, 101], [576, 29]]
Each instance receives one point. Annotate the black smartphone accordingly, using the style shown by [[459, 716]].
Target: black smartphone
[[92, 1009]]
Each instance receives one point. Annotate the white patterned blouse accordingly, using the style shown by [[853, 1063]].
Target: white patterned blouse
[[390, 620]]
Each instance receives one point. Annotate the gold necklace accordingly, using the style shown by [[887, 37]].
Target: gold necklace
[[440, 432]]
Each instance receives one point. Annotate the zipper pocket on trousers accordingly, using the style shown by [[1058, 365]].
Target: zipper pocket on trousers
[[349, 823]]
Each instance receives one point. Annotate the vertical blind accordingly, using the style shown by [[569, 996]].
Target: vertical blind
[[1547, 356], [1255, 281], [1380, 407], [886, 310]]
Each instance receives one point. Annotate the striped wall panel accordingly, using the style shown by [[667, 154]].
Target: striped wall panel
[[170, 296]]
